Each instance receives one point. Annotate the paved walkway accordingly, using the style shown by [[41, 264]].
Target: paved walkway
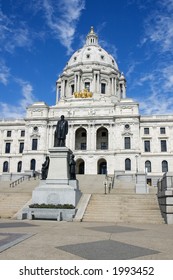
[[51, 240]]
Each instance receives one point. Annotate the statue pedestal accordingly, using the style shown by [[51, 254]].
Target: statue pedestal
[[58, 188]]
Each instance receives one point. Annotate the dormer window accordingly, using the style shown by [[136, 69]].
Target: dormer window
[[102, 57], [75, 58], [88, 56]]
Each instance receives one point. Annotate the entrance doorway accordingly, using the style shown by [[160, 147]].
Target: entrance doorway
[[102, 166]]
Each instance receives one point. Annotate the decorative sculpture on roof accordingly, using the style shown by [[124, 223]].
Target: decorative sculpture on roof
[[83, 94]]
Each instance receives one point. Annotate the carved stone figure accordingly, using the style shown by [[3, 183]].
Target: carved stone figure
[[72, 169], [61, 132], [45, 168]]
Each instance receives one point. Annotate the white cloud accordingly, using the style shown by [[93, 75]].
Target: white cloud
[[14, 33], [157, 104], [4, 73], [159, 27], [18, 110], [167, 73], [64, 26]]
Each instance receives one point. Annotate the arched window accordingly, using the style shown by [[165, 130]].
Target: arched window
[[5, 166], [102, 139], [148, 166], [81, 139], [164, 166], [102, 166], [19, 166], [127, 164], [32, 164]]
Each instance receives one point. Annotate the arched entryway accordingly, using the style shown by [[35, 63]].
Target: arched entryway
[[102, 166], [81, 139], [80, 166]]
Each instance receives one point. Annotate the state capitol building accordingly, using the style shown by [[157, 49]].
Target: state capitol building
[[106, 132]]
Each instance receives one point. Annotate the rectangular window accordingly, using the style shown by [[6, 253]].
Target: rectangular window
[[163, 146], [7, 148], [104, 146], [147, 146], [103, 88], [34, 144], [72, 89], [83, 146], [162, 130], [146, 130], [22, 133], [127, 144], [104, 134], [9, 133], [87, 86], [21, 147], [83, 134]]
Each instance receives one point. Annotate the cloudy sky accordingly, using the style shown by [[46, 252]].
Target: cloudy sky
[[37, 38]]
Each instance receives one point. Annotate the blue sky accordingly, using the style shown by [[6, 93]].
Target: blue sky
[[37, 38]]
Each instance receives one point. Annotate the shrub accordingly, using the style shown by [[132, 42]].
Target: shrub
[[52, 206]]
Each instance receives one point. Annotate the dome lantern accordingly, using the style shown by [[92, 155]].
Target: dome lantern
[[92, 38]]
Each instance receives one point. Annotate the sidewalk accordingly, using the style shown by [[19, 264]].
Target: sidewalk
[[52, 240]]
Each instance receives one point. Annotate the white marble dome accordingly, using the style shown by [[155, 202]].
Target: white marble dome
[[92, 53]]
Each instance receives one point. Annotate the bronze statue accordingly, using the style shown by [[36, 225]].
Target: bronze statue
[[72, 168], [61, 132], [45, 167]]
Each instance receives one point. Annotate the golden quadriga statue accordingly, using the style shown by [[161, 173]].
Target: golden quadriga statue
[[83, 94]]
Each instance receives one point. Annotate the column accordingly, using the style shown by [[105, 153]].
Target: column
[[62, 88], [98, 82], [112, 82], [75, 83]]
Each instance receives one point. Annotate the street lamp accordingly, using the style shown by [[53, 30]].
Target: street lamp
[[136, 163]]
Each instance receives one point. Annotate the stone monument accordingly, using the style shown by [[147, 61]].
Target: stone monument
[[58, 184]]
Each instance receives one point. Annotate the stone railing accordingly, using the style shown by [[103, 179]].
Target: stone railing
[[165, 196]]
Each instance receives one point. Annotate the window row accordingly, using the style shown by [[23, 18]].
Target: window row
[[8, 147], [147, 130], [6, 166], [9, 133], [21, 146], [148, 167], [87, 86], [163, 146]]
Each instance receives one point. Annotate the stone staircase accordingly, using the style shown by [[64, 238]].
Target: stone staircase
[[91, 183], [122, 204], [13, 199], [123, 207]]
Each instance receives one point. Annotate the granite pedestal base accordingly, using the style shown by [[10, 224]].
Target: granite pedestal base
[[57, 188], [56, 193]]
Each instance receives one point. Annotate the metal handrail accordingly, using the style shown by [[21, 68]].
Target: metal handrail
[[19, 180]]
